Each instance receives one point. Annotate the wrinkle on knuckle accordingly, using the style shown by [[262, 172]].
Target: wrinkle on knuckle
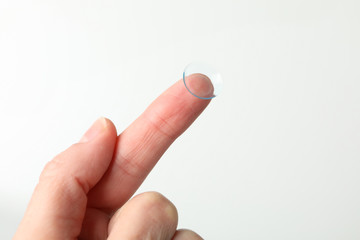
[[53, 167], [50, 170], [129, 166], [162, 124], [59, 179]]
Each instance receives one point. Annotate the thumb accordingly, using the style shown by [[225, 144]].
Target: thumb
[[58, 204]]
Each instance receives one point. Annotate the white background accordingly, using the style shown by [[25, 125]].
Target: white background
[[275, 156]]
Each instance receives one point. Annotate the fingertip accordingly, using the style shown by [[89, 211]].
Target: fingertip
[[148, 215], [199, 85], [96, 129], [110, 128], [100, 127]]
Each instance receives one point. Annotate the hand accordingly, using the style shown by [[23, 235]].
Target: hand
[[84, 192]]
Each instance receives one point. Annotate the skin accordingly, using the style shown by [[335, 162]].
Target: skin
[[84, 192]]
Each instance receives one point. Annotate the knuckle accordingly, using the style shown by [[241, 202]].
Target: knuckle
[[62, 184], [50, 170], [162, 124], [53, 168], [130, 166]]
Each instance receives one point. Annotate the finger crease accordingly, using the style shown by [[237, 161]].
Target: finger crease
[[84, 186], [162, 126], [129, 166]]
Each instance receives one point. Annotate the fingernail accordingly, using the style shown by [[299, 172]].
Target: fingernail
[[97, 128], [200, 86]]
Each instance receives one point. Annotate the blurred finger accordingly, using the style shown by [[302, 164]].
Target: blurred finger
[[147, 216], [185, 234]]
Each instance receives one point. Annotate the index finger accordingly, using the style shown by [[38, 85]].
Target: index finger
[[142, 144]]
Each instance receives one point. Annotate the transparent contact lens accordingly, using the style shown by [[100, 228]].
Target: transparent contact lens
[[202, 80]]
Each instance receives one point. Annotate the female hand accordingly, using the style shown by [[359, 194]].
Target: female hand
[[84, 192]]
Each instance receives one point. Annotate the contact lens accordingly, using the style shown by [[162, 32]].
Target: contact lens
[[202, 80]]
